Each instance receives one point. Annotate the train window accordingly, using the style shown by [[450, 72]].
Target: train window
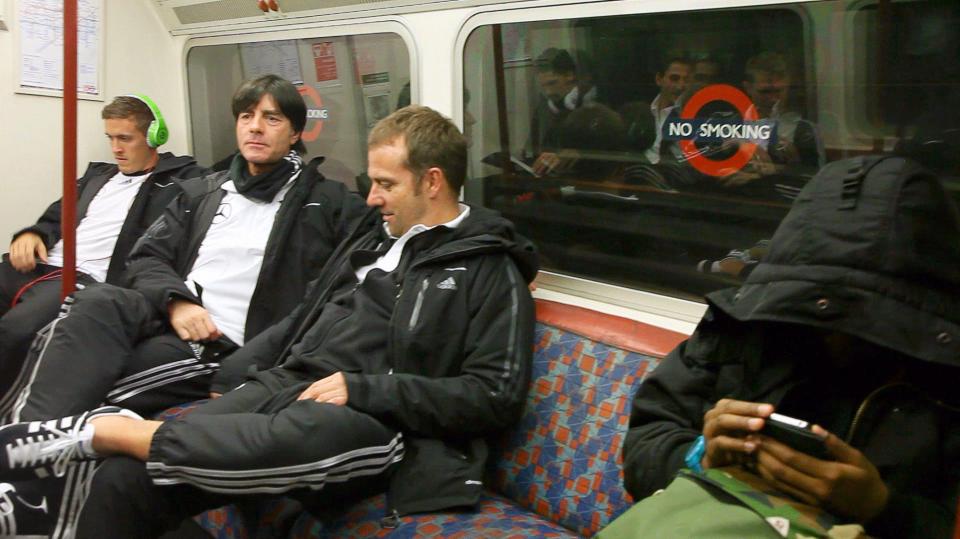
[[347, 82], [908, 52], [660, 151]]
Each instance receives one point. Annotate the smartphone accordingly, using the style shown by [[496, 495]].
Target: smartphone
[[797, 434]]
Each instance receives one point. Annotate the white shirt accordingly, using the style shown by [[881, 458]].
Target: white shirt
[[389, 260], [228, 263], [659, 116], [98, 230]]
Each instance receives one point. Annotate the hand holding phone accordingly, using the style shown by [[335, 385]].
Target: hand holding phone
[[844, 482], [726, 430], [797, 434]]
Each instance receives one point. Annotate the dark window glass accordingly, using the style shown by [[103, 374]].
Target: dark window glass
[[660, 151]]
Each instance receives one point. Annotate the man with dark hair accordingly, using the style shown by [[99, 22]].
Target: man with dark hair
[[556, 75], [564, 87], [116, 202], [672, 78], [229, 257], [412, 346], [285, 97], [706, 71]]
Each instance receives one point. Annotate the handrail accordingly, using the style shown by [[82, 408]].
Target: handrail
[[68, 207]]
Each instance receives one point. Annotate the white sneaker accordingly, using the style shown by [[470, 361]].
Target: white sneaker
[[40, 448]]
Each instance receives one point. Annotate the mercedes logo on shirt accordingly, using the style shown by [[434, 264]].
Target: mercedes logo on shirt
[[223, 213]]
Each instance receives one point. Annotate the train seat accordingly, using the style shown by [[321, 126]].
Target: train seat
[[557, 473]]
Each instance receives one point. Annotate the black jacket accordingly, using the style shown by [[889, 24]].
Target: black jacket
[[460, 354], [154, 195], [314, 217], [870, 249]]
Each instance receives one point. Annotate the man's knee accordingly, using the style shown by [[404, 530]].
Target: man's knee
[[103, 295], [112, 306], [22, 324], [11, 330]]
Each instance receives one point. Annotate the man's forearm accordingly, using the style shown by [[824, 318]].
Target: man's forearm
[[120, 435]]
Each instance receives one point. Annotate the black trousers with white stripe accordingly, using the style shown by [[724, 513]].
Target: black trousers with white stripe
[[38, 304], [111, 346], [257, 440]]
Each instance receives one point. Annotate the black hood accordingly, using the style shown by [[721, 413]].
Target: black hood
[[168, 161], [870, 248], [486, 231]]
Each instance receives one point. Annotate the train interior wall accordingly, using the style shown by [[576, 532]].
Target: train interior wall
[[139, 55]]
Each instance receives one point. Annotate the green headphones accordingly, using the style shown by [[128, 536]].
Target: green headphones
[[157, 133]]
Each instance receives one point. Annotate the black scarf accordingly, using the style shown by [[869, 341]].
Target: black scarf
[[264, 186]]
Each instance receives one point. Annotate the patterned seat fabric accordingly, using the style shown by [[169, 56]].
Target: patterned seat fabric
[[563, 459], [557, 473], [223, 523], [176, 412], [495, 517]]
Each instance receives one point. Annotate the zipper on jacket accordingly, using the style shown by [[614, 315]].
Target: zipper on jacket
[[394, 329], [415, 317]]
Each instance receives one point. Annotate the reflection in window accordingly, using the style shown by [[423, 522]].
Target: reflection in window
[[660, 151], [348, 83], [910, 52]]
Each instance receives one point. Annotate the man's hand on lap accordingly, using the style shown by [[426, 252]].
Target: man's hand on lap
[[332, 390], [25, 250], [192, 322]]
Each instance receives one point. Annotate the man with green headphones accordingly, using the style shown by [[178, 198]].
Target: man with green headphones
[[116, 202]]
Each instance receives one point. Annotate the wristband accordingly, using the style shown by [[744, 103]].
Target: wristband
[[695, 454]]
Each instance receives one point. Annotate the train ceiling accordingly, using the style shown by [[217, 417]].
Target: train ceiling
[[196, 16]]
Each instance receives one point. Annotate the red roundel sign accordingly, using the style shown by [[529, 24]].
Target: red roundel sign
[[740, 100], [316, 113]]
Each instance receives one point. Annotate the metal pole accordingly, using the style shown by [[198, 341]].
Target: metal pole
[[68, 208], [501, 84]]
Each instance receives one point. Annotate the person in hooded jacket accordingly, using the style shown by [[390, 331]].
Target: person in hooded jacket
[[116, 202], [414, 343], [230, 256], [851, 322]]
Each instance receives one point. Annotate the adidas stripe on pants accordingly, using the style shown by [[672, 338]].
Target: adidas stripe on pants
[[255, 440], [37, 306], [110, 346]]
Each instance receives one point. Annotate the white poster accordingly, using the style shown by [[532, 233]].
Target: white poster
[[40, 24], [271, 57]]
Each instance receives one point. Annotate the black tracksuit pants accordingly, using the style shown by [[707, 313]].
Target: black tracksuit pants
[[255, 440], [110, 346], [36, 307]]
